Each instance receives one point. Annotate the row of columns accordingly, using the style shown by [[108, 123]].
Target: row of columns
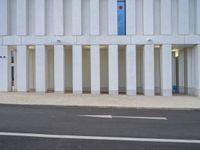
[[59, 65], [148, 17], [188, 68]]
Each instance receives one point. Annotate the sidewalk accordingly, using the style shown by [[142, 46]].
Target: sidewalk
[[175, 102]]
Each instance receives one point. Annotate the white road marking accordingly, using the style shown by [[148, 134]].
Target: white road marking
[[124, 117], [97, 116], [105, 138]]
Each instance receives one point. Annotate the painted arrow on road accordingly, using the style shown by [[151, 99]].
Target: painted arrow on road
[[124, 117]]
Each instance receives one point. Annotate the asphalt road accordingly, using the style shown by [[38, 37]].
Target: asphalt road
[[78, 128]]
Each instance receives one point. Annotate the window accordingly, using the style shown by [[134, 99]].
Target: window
[[121, 16]]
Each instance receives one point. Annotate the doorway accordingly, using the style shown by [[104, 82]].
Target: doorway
[[13, 69]]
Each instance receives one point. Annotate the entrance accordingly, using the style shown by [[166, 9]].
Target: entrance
[[13, 69]]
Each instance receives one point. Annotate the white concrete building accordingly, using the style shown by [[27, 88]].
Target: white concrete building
[[100, 46]]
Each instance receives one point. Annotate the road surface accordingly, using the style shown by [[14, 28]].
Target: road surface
[[90, 128]]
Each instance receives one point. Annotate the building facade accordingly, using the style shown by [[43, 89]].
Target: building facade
[[149, 47]]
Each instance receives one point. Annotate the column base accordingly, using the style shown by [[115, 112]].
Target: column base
[[22, 91], [113, 92], [197, 92], [131, 92], [191, 91], [4, 91], [41, 92], [166, 92], [77, 92], [95, 92], [149, 92], [59, 92]]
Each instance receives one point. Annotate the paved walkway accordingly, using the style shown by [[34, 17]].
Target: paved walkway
[[175, 102]]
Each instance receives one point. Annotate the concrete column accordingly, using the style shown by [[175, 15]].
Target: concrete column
[[148, 18], [194, 65], [22, 68], [197, 75], [148, 79], [198, 17], [183, 16], [22, 17], [95, 69], [166, 70], [77, 69], [174, 68], [130, 17], [131, 69], [3, 17], [190, 89], [5, 69], [58, 17], [76, 17], [112, 17], [1, 70], [40, 24], [113, 69], [14, 88], [59, 68], [94, 17], [181, 70], [166, 23], [40, 69]]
